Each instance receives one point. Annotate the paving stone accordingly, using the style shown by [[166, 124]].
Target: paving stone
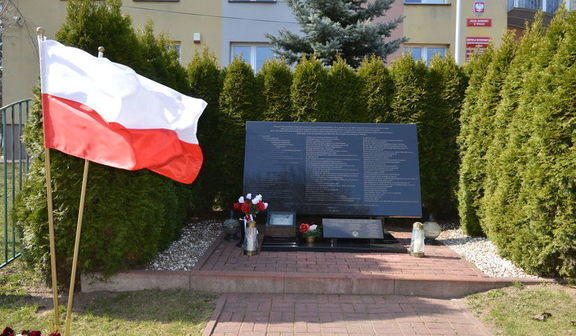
[[344, 315]]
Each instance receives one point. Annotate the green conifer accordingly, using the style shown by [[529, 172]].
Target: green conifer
[[130, 215], [238, 103], [338, 27], [309, 90], [343, 85], [205, 80], [447, 88], [377, 89], [276, 79]]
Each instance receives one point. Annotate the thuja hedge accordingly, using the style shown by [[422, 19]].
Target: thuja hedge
[[408, 92], [129, 216], [527, 206]]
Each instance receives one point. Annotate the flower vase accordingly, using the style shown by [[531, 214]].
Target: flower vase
[[310, 239], [250, 238]]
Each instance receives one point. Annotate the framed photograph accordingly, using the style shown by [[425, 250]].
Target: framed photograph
[[281, 218]]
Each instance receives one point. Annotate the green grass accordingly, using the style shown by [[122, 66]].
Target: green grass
[[150, 312], [510, 310]]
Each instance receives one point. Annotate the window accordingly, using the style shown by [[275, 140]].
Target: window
[[549, 6], [435, 2], [425, 53], [177, 47], [253, 54]]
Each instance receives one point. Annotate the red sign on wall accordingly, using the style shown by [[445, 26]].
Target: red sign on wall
[[476, 45], [478, 22]]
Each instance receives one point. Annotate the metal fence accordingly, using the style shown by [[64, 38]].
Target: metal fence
[[15, 163]]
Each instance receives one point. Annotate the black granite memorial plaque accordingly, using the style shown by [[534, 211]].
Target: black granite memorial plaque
[[334, 168], [352, 228]]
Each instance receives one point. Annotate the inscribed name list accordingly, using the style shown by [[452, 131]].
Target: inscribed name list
[[334, 168]]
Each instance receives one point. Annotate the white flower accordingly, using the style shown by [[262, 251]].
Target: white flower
[[265, 205], [255, 201], [249, 196], [312, 227], [241, 199], [258, 197]]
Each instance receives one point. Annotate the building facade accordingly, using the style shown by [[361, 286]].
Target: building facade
[[191, 25], [237, 28]]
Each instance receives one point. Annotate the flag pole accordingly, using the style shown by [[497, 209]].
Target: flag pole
[[76, 248], [40, 34], [77, 241]]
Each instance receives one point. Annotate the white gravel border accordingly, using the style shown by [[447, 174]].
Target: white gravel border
[[184, 253], [482, 253]]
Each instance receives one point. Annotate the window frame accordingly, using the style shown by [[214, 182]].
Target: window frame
[[253, 55], [424, 51]]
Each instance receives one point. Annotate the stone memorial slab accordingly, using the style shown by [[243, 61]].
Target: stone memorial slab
[[352, 228], [334, 168]]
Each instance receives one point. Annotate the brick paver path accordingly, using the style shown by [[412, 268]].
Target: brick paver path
[[440, 262], [292, 315]]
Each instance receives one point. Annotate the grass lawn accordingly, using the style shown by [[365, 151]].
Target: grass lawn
[[25, 304], [509, 311]]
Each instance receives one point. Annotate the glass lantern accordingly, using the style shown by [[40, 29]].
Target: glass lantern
[[417, 243]]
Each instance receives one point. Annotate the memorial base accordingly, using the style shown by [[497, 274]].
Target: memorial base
[[387, 245]]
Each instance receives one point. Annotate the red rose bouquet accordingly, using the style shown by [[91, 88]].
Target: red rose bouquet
[[308, 230], [10, 332], [250, 206]]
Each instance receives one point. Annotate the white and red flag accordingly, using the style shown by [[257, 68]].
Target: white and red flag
[[106, 113]]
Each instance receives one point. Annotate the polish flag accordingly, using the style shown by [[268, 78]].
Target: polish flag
[[105, 112]]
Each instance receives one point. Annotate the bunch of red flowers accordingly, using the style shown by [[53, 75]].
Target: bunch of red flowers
[[10, 332], [250, 206], [308, 230]]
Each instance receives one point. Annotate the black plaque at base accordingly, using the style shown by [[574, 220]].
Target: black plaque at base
[[388, 244]]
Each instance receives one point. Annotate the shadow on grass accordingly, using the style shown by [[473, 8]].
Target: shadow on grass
[[152, 305]]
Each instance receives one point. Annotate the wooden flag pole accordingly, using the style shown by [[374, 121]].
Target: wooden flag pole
[[40, 33], [76, 249], [77, 241]]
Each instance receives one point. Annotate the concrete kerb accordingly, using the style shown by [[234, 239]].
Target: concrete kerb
[[283, 283]]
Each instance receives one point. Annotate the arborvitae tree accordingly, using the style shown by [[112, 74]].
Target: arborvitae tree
[[88, 27], [238, 103], [205, 80], [411, 95], [543, 129], [129, 216], [276, 78], [161, 61], [377, 88], [411, 105], [473, 168], [501, 183], [309, 90], [343, 85], [447, 89], [477, 70], [338, 27]]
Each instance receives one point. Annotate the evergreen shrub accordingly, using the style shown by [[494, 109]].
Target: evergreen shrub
[[239, 102], [129, 215], [377, 89], [309, 91], [205, 79], [276, 78]]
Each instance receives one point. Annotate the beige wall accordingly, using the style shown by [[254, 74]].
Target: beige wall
[[20, 61], [435, 24]]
